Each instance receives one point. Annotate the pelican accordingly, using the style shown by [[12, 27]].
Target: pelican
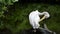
[[34, 18]]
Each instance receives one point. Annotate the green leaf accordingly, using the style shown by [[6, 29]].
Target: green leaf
[[8, 2]]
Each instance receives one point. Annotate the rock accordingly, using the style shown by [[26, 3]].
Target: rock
[[30, 31]]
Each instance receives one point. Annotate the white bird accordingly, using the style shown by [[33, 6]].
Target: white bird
[[35, 19]]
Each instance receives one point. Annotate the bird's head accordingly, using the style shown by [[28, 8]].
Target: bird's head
[[46, 14]]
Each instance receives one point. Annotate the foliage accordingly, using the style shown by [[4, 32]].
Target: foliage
[[16, 18], [4, 4], [3, 9], [8, 2]]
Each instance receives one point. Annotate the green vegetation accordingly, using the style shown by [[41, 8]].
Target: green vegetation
[[16, 18], [4, 6]]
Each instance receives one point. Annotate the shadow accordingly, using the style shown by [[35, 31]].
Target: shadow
[[5, 31]]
